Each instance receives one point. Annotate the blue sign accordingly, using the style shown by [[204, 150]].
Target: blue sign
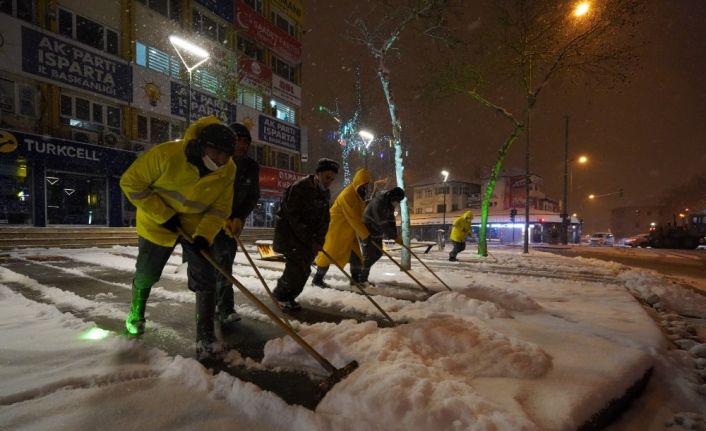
[[202, 104], [279, 133], [222, 8], [66, 154], [54, 59]]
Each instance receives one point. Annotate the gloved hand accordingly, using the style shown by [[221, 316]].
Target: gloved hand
[[173, 224], [201, 243], [398, 240], [233, 227], [316, 247]]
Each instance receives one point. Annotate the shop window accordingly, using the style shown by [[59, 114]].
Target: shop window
[[15, 192], [263, 214], [251, 49], [283, 111], [206, 80], [284, 161], [283, 23], [168, 8], [76, 199], [208, 27], [251, 98], [255, 4], [156, 130], [88, 31], [83, 113], [283, 69], [153, 58], [22, 9], [17, 98]]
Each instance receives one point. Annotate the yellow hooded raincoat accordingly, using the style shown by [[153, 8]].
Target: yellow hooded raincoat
[[346, 223], [161, 183], [462, 227]]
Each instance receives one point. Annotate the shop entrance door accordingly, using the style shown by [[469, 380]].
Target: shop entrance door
[[76, 199]]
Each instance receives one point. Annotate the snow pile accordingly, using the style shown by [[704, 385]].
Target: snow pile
[[674, 297], [420, 375]]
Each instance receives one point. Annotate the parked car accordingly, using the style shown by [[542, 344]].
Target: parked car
[[639, 240], [601, 239]]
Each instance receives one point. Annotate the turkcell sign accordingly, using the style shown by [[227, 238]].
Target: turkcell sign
[[279, 133], [57, 60], [202, 104]]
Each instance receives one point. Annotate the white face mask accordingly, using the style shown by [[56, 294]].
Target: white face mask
[[209, 163]]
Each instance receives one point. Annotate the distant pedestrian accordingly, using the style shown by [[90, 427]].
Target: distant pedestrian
[[461, 229], [245, 198], [300, 230], [379, 218], [346, 227], [187, 184]]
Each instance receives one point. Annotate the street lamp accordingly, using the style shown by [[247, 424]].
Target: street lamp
[[565, 219], [445, 174], [367, 138], [200, 56], [582, 9]]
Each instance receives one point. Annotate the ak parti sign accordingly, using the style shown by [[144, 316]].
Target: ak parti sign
[[277, 180], [248, 21]]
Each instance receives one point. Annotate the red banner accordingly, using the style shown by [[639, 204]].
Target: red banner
[[262, 31], [277, 180], [255, 73]]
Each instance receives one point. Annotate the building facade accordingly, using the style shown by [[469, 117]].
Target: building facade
[[86, 86], [504, 224]]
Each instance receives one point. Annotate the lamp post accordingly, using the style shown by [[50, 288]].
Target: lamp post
[[445, 174], [199, 55], [367, 138]]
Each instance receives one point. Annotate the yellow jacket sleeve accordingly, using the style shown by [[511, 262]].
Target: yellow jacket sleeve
[[136, 183]]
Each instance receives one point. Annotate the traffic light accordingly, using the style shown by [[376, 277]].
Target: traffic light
[[513, 213]]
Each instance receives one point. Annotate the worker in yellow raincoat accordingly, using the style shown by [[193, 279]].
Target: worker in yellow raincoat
[[345, 228], [459, 232], [184, 184]]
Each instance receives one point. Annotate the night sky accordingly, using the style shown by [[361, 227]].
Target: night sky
[[643, 136]]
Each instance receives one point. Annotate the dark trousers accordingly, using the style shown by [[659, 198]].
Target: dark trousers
[[224, 250], [371, 254], [151, 259], [296, 273], [458, 248]]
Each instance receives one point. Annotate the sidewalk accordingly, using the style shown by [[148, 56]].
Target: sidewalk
[[517, 345]]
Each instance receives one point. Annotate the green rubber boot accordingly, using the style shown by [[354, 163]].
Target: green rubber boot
[[135, 322]]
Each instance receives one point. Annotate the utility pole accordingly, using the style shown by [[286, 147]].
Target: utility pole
[[565, 209]]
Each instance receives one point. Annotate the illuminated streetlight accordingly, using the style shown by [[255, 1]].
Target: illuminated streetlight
[[582, 9], [367, 138], [199, 56], [591, 196], [582, 160]]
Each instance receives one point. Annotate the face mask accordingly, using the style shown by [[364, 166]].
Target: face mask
[[209, 163]]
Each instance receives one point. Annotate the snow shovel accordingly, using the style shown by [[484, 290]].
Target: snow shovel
[[336, 374], [402, 268], [356, 284], [267, 289], [425, 266]]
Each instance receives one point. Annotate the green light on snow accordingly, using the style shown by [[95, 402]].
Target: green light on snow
[[95, 334]]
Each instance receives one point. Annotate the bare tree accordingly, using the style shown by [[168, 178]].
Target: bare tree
[[381, 40], [531, 42]]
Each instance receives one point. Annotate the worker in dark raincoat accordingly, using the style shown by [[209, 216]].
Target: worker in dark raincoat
[[245, 198], [379, 218], [300, 229]]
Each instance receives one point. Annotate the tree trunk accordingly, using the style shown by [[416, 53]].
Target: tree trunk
[[482, 239], [383, 74]]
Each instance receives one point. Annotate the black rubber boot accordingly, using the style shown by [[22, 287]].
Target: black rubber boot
[[205, 335], [135, 322], [319, 277]]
